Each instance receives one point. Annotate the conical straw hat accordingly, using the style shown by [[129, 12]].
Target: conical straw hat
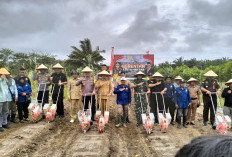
[[104, 72], [87, 69], [192, 80], [42, 67], [57, 66], [178, 78], [157, 74], [228, 82], [139, 73], [210, 73], [3, 71]]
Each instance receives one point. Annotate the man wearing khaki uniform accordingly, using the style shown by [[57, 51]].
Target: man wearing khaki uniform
[[195, 93], [105, 89], [74, 96]]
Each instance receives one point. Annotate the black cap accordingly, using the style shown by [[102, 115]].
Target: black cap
[[168, 77], [103, 65], [182, 81], [22, 69], [74, 72]]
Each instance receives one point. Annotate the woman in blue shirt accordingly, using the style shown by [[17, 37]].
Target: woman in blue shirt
[[123, 101], [24, 92]]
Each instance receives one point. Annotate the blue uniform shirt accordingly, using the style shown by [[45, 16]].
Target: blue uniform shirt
[[170, 93], [124, 97], [182, 97], [13, 88], [25, 89]]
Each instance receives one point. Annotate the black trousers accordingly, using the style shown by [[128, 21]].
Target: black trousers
[[23, 110], [60, 103], [169, 102], [208, 106], [40, 97], [86, 100], [182, 112], [153, 105]]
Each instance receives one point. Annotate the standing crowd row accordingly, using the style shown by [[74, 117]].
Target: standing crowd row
[[89, 92]]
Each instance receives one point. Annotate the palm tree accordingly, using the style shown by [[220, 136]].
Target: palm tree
[[85, 56]]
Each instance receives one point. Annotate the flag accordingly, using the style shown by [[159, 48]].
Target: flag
[[112, 62]]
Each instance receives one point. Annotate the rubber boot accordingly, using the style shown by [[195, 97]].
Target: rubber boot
[[124, 122], [13, 120], [119, 122]]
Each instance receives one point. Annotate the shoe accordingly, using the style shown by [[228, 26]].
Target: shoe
[[187, 123], [6, 126], [1, 129], [127, 120], [21, 121], [192, 123], [26, 119], [179, 126], [91, 122], [118, 125], [173, 123], [61, 116], [204, 123], [13, 120], [43, 116], [214, 126], [124, 125], [71, 121], [138, 124]]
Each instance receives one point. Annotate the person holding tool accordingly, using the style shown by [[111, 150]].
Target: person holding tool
[[156, 86], [58, 79], [183, 102], [105, 89], [43, 79], [74, 95], [140, 89], [195, 94], [169, 97], [88, 91], [207, 87], [123, 101]]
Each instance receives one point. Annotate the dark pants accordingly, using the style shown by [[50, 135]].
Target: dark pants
[[182, 112], [153, 105], [40, 97], [60, 103], [208, 106], [87, 100], [170, 105], [23, 110]]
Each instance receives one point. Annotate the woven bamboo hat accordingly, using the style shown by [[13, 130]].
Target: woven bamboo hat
[[178, 78], [139, 73], [210, 73], [104, 72], [192, 80], [228, 82], [3, 71], [42, 67], [157, 74], [57, 66], [87, 69]]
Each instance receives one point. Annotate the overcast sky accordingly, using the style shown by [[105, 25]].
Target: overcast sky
[[167, 28]]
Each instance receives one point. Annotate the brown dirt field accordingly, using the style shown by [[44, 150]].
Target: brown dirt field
[[60, 138]]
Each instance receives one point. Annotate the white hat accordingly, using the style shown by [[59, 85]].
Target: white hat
[[157, 74], [139, 73], [123, 79], [229, 82], [210, 73], [178, 78], [87, 69], [57, 66], [192, 80], [42, 67], [104, 72]]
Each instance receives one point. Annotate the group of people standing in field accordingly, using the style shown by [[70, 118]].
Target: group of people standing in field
[[95, 92]]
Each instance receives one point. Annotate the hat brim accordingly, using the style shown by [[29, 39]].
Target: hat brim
[[227, 84], [139, 74]]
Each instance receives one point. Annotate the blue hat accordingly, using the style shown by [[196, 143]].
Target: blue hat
[[74, 72]]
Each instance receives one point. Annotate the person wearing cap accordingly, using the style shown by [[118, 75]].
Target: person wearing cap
[[148, 69], [88, 91], [123, 101], [58, 79], [12, 98], [3, 100], [156, 85], [140, 89], [24, 92], [207, 87], [169, 97], [195, 94], [183, 102], [74, 95], [22, 73], [105, 90], [43, 79], [227, 94]]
